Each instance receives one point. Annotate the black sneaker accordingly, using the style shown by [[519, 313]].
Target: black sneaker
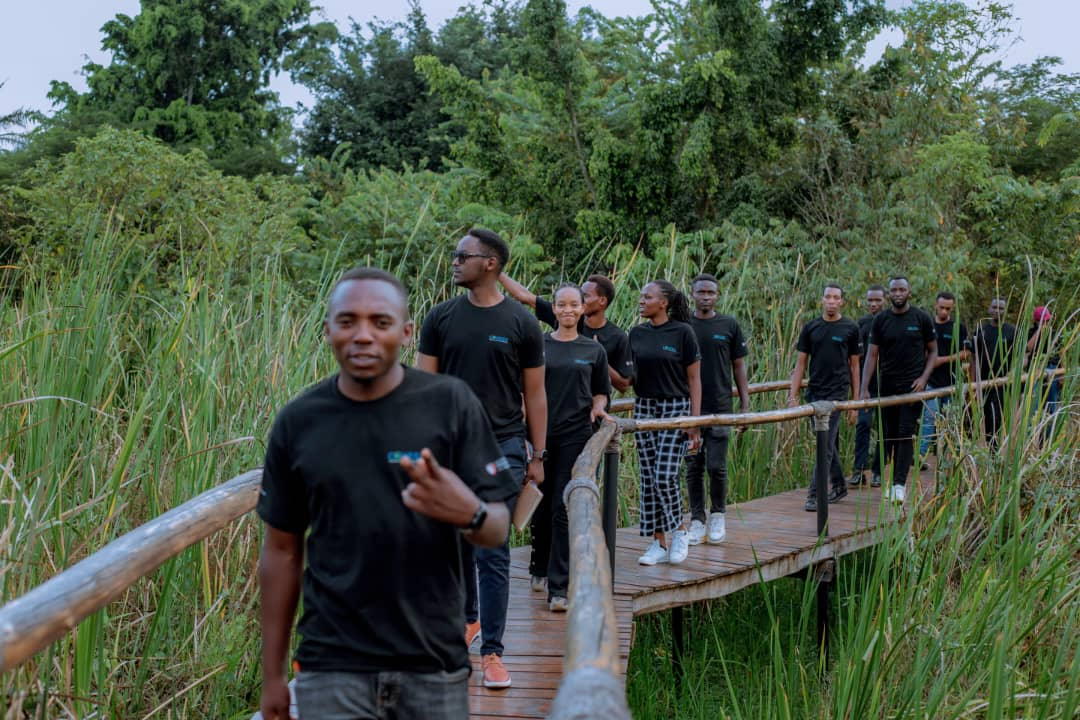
[[875, 481], [811, 504], [856, 479], [836, 493]]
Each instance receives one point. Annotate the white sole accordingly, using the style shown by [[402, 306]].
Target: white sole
[[718, 540]]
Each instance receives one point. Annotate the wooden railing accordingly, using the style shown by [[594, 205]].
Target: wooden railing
[[30, 623]]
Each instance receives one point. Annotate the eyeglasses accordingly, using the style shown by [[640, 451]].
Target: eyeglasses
[[456, 255]]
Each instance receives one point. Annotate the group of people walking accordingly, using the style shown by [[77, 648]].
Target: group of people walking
[[398, 485]]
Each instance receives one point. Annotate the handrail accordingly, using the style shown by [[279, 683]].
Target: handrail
[[626, 404], [590, 687], [29, 623]]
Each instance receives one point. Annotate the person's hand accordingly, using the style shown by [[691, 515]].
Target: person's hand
[[693, 435], [601, 415], [918, 385], [534, 472], [852, 416], [792, 401], [437, 492], [865, 394], [274, 704], [740, 429]]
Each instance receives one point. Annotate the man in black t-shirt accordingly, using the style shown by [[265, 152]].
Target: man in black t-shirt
[[831, 346], [902, 351], [599, 293], [953, 344], [389, 472], [496, 347], [875, 302], [723, 354], [992, 347]]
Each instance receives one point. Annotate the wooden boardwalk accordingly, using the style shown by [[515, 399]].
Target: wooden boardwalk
[[767, 538]]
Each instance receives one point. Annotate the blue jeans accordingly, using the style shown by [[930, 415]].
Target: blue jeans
[[931, 410], [492, 566], [383, 695]]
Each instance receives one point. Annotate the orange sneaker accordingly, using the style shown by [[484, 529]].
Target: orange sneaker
[[495, 674], [471, 631]]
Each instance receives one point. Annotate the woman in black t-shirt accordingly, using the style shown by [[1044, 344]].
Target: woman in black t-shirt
[[667, 385], [577, 386]]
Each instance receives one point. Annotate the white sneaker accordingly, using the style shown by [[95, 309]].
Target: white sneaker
[[717, 530], [697, 532], [896, 493], [680, 547], [655, 554]]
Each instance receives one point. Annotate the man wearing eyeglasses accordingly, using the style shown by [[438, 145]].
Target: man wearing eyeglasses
[[496, 347]]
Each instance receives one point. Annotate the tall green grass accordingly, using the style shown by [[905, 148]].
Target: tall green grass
[[119, 400]]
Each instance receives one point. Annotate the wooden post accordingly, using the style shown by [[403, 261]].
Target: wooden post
[[822, 416], [611, 500]]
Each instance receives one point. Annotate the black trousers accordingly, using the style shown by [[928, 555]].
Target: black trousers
[[836, 473], [993, 412], [550, 527], [712, 458], [897, 443]]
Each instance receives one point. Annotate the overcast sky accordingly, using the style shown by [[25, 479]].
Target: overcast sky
[[45, 40]]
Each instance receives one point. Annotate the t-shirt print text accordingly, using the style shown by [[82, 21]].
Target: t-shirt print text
[[670, 349], [394, 456], [499, 339]]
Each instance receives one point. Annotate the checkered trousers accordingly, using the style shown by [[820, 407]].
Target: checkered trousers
[[660, 457]]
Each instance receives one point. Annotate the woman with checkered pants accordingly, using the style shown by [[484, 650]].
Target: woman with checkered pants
[[667, 385]]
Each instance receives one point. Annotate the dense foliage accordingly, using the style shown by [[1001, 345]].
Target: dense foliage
[[165, 238]]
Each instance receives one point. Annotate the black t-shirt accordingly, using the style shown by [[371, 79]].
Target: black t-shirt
[[661, 355], [489, 348], [616, 342], [722, 343], [901, 339], [830, 345], [952, 337], [383, 587], [575, 371], [993, 346], [864, 336]]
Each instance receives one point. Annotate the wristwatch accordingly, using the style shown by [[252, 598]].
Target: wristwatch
[[539, 456], [478, 518]]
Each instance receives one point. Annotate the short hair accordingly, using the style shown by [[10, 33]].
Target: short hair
[[896, 278], [876, 288], [834, 286], [604, 286], [372, 273], [704, 277], [945, 295], [492, 241]]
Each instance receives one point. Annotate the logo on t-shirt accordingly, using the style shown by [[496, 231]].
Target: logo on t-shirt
[[913, 328], [838, 339], [670, 349], [579, 361], [720, 337], [394, 456], [494, 467], [499, 339]]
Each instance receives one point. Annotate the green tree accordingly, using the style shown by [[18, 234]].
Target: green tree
[[372, 97], [195, 74]]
